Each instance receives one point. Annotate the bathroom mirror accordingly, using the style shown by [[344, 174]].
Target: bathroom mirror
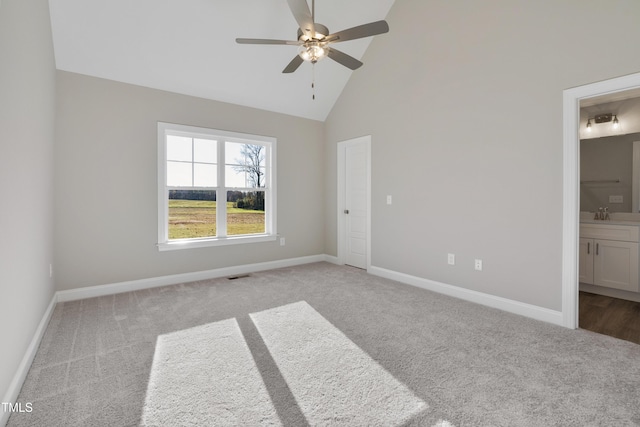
[[610, 155]]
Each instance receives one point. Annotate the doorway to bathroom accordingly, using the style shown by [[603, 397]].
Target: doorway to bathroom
[[587, 306]]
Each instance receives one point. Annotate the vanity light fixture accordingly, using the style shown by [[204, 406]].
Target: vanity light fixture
[[604, 118]]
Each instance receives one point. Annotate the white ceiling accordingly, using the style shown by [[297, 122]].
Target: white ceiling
[[188, 47]]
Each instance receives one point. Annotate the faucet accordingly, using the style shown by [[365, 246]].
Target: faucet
[[602, 214]]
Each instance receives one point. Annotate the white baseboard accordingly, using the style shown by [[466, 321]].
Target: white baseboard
[[515, 307], [331, 259], [154, 282], [23, 369]]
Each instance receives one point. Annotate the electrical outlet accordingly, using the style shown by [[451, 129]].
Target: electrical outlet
[[389, 200], [451, 259], [616, 199], [282, 241], [478, 265]]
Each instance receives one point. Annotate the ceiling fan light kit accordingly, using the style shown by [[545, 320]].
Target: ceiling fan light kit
[[313, 47], [313, 52], [314, 39]]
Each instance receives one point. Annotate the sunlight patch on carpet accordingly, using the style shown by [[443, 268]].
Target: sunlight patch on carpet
[[333, 381], [206, 376]]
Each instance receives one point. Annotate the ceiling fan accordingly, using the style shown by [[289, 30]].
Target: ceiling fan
[[314, 39]]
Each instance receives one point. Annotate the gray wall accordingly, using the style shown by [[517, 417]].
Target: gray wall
[[27, 96], [463, 100], [606, 159], [106, 182]]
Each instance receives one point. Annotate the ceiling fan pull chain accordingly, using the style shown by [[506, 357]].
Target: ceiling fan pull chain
[[313, 81]]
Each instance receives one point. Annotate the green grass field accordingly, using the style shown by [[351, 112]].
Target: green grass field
[[190, 219]]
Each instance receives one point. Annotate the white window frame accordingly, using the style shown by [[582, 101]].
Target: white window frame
[[270, 234]]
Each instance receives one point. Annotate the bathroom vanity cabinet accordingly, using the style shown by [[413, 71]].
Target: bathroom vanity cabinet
[[609, 255]]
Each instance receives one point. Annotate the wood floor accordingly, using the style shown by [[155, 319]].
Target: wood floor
[[610, 316]]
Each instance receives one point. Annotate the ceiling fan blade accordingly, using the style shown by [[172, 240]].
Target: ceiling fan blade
[[304, 18], [344, 59], [365, 30], [293, 65], [267, 41]]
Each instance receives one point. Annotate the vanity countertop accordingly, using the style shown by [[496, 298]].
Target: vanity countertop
[[609, 222], [617, 218]]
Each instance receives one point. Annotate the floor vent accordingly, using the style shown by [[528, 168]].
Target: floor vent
[[242, 276]]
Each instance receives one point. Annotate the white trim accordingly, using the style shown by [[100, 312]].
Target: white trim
[[341, 194], [570, 185], [23, 369], [154, 282], [570, 210], [340, 190], [331, 259], [163, 208], [511, 306], [217, 241]]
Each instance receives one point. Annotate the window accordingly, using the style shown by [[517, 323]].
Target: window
[[214, 187]]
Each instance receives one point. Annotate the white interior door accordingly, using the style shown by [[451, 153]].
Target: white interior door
[[355, 211]]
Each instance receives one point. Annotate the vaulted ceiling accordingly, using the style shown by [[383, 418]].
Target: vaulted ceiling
[[188, 47]]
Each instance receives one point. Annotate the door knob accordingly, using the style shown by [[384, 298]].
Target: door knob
[[346, 211]]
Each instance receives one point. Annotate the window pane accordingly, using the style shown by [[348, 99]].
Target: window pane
[[234, 176], [179, 174], [192, 214], [204, 151], [179, 148], [205, 175], [245, 212], [233, 153], [245, 165]]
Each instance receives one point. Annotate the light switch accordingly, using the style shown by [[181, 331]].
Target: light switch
[[451, 259], [388, 200]]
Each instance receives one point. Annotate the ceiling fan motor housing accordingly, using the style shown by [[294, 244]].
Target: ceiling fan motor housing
[[321, 32]]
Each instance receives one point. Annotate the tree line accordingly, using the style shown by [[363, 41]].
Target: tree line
[[251, 200], [253, 157]]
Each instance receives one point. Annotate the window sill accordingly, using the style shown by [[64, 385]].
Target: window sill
[[217, 241]]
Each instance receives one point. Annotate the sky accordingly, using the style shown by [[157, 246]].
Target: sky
[[194, 162]]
